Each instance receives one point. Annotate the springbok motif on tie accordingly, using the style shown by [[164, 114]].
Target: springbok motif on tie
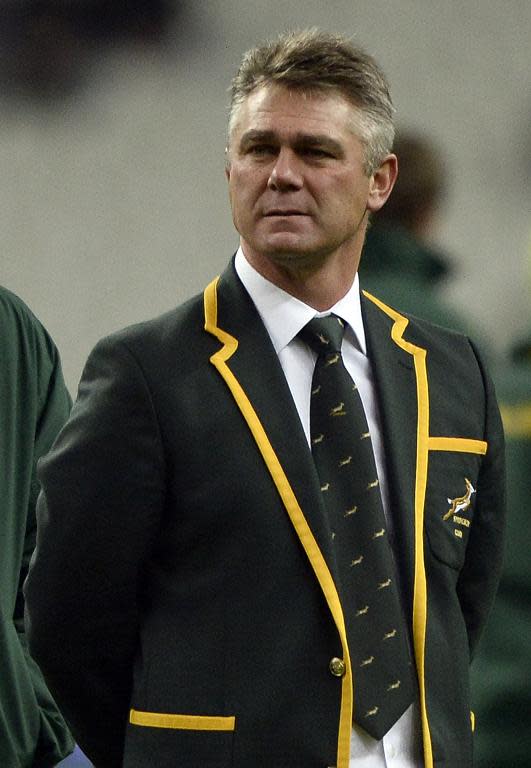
[[344, 459]]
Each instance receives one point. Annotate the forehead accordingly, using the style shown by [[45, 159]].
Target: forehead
[[283, 111]]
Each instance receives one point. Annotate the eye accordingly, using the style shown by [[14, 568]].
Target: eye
[[317, 152], [260, 150]]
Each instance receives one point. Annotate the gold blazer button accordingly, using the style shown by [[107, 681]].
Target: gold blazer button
[[337, 667]]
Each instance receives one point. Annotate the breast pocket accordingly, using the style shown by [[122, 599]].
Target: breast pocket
[[450, 503]]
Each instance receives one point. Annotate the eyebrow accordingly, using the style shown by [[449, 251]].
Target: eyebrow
[[300, 141]]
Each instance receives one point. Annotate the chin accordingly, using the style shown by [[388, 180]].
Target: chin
[[288, 246], [296, 258], [284, 250]]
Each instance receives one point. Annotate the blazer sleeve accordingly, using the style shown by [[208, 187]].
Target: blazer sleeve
[[98, 514], [480, 575]]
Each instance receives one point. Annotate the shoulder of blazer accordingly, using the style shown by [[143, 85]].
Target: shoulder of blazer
[[421, 328], [178, 327], [178, 334], [169, 325], [443, 344], [173, 340]]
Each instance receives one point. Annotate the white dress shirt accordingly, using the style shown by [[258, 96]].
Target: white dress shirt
[[284, 316]]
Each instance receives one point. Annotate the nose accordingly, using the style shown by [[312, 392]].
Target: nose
[[285, 174]]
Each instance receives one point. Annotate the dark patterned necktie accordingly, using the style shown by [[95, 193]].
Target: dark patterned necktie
[[343, 455]]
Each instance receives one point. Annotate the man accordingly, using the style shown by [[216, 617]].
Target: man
[[186, 522], [34, 404]]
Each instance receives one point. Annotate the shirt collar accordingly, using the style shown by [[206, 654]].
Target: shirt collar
[[284, 316]]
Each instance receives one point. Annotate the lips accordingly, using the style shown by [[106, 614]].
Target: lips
[[284, 212]]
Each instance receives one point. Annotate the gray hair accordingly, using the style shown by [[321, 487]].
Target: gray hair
[[317, 62]]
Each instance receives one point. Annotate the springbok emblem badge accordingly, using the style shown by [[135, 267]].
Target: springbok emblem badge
[[461, 503]]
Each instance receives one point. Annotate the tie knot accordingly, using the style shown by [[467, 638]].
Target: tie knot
[[324, 334]]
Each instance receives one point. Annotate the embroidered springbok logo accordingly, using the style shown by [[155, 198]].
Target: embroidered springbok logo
[[461, 503]]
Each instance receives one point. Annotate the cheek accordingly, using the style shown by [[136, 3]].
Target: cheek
[[245, 189], [354, 200], [240, 184]]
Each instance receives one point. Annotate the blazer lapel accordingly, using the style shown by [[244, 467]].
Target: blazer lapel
[[395, 381], [402, 381], [255, 365]]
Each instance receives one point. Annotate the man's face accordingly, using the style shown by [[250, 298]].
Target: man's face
[[297, 186]]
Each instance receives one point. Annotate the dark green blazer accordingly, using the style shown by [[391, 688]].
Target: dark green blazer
[[184, 556], [34, 405]]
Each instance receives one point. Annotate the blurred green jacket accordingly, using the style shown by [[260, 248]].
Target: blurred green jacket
[[408, 275], [501, 674], [34, 404]]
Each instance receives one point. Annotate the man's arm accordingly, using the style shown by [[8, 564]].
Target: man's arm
[[480, 574], [53, 409], [98, 513]]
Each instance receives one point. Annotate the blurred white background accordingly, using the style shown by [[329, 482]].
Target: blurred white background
[[113, 206]]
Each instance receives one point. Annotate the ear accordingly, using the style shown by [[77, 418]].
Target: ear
[[381, 183], [227, 164]]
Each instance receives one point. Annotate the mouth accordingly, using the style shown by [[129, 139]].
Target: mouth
[[284, 212]]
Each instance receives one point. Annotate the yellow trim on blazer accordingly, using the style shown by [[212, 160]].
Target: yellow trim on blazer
[[293, 509], [458, 444], [182, 722], [420, 593]]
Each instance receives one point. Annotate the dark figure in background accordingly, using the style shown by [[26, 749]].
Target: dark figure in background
[[34, 404], [501, 674], [399, 232], [400, 261], [216, 542]]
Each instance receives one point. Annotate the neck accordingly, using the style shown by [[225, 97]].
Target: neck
[[321, 288], [319, 285]]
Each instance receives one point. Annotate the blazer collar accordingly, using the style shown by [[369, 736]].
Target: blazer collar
[[284, 315]]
